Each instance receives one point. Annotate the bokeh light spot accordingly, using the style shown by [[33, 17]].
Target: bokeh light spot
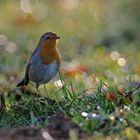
[[11, 47], [58, 83], [26, 6], [84, 114], [112, 118], [121, 61], [115, 55], [70, 4], [3, 39]]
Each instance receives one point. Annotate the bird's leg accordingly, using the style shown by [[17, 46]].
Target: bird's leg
[[49, 100], [46, 91], [37, 89]]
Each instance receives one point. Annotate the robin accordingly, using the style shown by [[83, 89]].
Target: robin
[[44, 61]]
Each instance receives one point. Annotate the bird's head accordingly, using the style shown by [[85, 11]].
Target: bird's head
[[48, 50], [49, 39]]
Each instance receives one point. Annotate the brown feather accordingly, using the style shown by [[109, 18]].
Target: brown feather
[[49, 52]]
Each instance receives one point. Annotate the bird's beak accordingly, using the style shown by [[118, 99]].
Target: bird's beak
[[57, 37]]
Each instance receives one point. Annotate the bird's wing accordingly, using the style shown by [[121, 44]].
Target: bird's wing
[[26, 79], [30, 63], [36, 50]]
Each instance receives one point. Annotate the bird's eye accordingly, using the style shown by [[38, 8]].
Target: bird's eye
[[47, 37]]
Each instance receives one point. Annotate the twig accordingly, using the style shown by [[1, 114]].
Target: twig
[[129, 93]]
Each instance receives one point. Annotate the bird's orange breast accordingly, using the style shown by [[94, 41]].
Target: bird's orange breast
[[49, 52]]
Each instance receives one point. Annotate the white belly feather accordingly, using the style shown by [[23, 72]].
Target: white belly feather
[[40, 73]]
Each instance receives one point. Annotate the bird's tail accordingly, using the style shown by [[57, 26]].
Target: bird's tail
[[24, 82]]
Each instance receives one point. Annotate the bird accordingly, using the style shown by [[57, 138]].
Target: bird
[[44, 62]]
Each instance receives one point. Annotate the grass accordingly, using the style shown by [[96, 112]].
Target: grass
[[101, 111]]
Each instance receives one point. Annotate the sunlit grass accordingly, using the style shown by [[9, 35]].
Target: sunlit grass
[[100, 111]]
